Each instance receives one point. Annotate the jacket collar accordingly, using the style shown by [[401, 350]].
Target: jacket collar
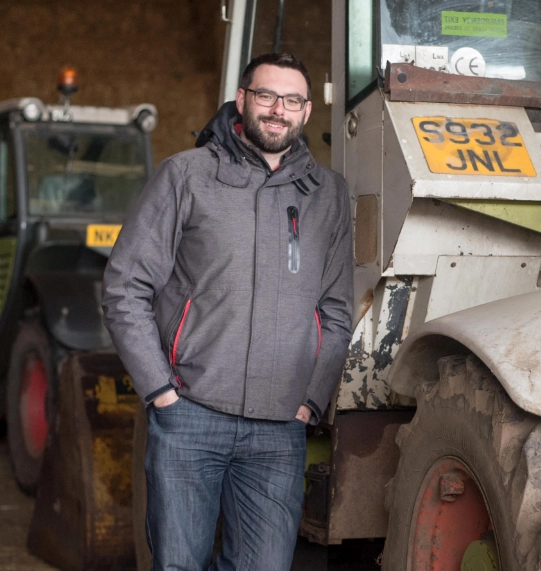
[[234, 169]]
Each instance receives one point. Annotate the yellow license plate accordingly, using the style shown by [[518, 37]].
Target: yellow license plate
[[102, 235], [473, 147]]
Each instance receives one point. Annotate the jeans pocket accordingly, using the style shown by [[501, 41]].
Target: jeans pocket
[[170, 418], [168, 407]]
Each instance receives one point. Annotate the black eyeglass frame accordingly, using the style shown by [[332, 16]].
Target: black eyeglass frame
[[256, 91]]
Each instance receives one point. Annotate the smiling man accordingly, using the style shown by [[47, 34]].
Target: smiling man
[[228, 296], [270, 127]]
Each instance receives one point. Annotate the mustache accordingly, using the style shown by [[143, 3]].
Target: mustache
[[275, 120]]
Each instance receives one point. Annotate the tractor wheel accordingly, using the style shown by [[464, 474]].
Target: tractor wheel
[[467, 490], [29, 395]]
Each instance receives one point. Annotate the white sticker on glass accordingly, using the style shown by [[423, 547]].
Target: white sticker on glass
[[396, 53], [467, 61], [432, 57]]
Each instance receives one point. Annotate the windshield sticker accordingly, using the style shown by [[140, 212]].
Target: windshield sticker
[[467, 61], [429, 57], [474, 24], [397, 53], [432, 57]]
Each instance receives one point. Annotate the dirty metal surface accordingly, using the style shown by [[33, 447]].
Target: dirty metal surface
[[513, 358], [375, 342], [456, 231], [83, 517], [406, 82], [15, 514], [365, 457], [475, 280]]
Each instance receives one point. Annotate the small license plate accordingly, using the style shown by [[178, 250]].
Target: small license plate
[[102, 235], [473, 147]]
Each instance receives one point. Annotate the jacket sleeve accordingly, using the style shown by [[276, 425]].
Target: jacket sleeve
[[335, 307], [140, 265]]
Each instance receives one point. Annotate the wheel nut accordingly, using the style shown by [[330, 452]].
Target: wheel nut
[[451, 486]]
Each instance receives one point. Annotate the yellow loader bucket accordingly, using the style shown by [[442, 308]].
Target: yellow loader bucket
[[83, 513]]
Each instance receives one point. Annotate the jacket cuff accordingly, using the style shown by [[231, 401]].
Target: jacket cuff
[[155, 394], [316, 412]]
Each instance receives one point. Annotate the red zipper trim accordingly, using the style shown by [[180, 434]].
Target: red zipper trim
[[173, 354], [318, 321], [294, 220]]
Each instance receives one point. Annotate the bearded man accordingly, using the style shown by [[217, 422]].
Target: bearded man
[[228, 296]]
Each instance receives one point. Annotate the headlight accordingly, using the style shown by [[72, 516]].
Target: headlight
[[32, 112], [146, 121]]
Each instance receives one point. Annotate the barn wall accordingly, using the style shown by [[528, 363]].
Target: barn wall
[[165, 52]]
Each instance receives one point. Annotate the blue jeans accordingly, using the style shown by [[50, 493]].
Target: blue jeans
[[197, 457]]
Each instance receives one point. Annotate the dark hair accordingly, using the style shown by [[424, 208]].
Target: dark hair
[[279, 60]]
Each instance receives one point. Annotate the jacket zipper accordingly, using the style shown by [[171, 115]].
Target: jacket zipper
[[294, 239], [318, 322], [173, 352]]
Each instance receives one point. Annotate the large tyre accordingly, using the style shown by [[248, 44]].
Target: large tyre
[[467, 492], [29, 401]]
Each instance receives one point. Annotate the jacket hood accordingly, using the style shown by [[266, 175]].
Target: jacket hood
[[218, 130]]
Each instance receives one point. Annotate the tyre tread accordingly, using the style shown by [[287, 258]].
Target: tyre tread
[[514, 436]]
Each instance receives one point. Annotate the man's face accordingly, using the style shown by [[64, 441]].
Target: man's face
[[273, 129]]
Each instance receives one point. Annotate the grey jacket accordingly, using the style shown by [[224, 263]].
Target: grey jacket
[[233, 283]]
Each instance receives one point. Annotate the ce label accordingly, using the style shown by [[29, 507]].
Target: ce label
[[467, 61]]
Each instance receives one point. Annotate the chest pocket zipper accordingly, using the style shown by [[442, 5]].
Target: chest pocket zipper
[[173, 352], [293, 258]]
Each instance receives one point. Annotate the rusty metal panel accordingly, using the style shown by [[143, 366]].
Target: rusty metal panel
[[365, 457], [83, 517], [406, 82]]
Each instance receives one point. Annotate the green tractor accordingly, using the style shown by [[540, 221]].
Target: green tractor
[[68, 175]]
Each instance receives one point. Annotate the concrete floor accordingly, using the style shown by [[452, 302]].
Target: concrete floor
[[15, 514]]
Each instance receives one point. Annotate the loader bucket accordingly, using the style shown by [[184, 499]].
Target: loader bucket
[[83, 513]]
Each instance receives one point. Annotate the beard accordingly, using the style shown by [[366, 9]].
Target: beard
[[269, 142]]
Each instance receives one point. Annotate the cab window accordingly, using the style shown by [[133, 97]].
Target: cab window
[[497, 38], [8, 198], [360, 49]]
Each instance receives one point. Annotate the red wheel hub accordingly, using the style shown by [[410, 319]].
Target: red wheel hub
[[32, 405], [450, 513]]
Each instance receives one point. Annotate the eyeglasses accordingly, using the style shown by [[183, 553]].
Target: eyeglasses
[[269, 99]]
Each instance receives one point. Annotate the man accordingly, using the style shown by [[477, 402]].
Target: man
[[228, 297]]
